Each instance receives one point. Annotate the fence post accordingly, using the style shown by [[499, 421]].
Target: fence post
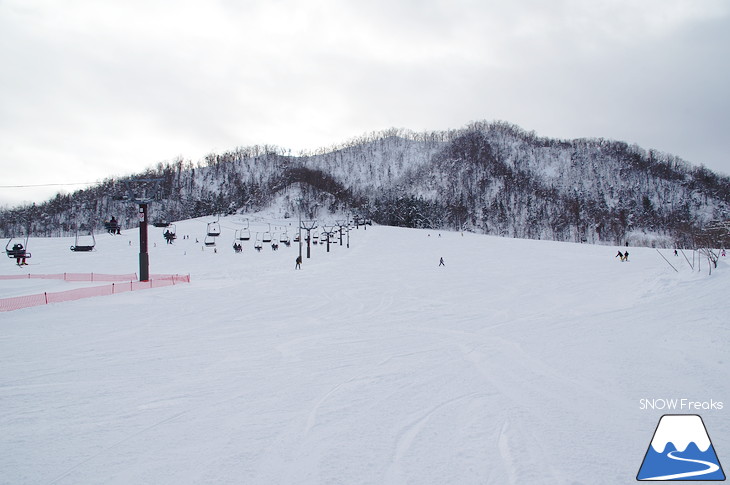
[[45, 294]]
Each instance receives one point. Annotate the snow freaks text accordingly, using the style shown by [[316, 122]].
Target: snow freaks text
[[679, 404]]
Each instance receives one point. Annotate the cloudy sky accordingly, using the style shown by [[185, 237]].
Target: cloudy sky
[[96, 88]]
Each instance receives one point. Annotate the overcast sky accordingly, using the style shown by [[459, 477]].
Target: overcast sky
[[91, 89]]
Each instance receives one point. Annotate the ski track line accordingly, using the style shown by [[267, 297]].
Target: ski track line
[[114, 445], [141, 432], [537, 448], [408, 434], [712, 468], [312, 416], [505, 453]]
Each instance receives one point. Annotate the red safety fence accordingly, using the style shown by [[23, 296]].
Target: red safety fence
[[156, 281], [73, 277]]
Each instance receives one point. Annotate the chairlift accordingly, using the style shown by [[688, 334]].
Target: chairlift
[[209, 241], [170, 234], [214, 229], [161, 224], [315, 237], [17, 248], [258, 245], [84, 247], [267, 237], [284, 238], [112, 226], [243, 234]]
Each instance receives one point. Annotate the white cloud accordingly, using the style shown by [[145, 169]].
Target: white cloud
[[106, 87]]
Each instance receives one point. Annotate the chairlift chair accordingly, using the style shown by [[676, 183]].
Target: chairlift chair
[[170, 234], [83, 248], [112, 226], [214, 229], [18, 250]]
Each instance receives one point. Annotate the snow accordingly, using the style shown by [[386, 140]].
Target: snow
[[518, 362], [681, 430]]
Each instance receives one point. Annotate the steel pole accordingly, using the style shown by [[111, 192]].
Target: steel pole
[[144, 257]]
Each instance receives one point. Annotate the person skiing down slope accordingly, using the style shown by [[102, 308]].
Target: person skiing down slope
[[298, 262], [441, 262]]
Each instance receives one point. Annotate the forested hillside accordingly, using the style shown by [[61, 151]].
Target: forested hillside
[[492, 178]]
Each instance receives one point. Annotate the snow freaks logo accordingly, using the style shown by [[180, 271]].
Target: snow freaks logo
[[681, 450]]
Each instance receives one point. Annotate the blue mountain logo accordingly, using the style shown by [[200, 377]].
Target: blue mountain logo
[[681, 450]]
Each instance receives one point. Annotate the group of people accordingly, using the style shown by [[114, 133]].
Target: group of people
[[112, 226], [169, 236], [237, 247], [623, 256]]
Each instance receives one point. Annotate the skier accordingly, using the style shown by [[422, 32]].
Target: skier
[[626, 256], [620, 256], [441, 262], [298, 264]]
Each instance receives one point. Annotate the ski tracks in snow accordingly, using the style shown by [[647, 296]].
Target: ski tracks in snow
[[408, 433]]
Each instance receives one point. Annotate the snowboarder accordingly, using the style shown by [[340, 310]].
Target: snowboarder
[[441, 262], [626, 256], [298, 262], [620, 256]]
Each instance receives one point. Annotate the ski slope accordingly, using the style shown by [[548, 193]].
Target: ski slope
[[518, 362]]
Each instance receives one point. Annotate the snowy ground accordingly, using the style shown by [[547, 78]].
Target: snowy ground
[[518, 362]]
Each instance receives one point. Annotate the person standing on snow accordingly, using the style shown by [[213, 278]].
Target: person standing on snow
[[298, 264], [441, 262]]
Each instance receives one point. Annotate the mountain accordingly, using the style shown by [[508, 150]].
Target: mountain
[[488, 177]]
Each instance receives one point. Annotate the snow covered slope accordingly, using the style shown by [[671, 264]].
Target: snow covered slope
[[518, 362]]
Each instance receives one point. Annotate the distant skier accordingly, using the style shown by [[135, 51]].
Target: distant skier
[[620, 256], [441, 262], [675, 253], [626, 256], [298, 262]]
